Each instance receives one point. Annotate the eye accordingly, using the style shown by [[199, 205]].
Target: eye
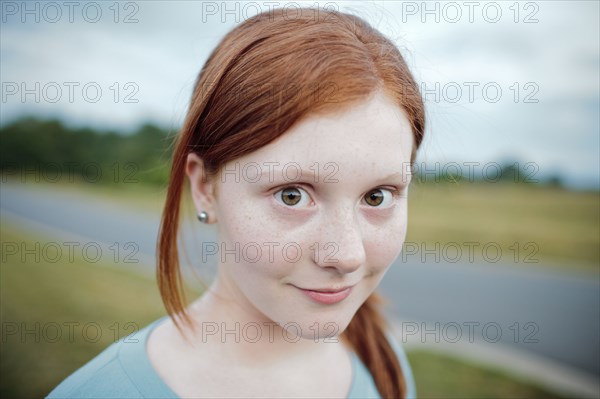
[[292, 196], [379, 196]]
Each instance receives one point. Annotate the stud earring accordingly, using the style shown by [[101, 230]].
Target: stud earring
[[203, 217]]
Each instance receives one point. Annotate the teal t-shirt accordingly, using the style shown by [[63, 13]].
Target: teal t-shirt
[[123, 370]]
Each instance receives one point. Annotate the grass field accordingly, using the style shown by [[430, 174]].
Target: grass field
[[43, 299], [529, 223], [439, 376], [102, 303]]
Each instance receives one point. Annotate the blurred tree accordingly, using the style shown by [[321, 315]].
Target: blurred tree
[[30, 145]]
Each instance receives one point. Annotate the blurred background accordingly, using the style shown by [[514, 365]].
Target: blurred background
[[497, 291]]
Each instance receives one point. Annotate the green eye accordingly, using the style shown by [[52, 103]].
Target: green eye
[[378, 197], [291, 196], [374, 198]]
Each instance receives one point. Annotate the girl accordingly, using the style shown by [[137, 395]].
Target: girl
[[298, 145]]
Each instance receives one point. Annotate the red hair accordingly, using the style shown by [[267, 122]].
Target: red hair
[[264, 76]]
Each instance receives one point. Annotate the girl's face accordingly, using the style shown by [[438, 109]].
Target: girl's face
[[323, 207]]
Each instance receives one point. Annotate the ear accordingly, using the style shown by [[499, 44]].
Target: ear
[[203, 189]]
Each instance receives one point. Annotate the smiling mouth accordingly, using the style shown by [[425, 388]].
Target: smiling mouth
[[327, 295]]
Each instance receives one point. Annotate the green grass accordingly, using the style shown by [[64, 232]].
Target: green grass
[[81, 292], [438, 376], [53, 294], [564, 226]]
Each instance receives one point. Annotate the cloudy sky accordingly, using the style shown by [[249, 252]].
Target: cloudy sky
[[503, 81]]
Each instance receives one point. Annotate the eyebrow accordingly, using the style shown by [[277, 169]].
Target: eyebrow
[[302, 173], [396, 175]]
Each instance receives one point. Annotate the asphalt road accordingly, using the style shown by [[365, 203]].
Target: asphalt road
[[551, 313]]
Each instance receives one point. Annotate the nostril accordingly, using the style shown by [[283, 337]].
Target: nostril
[[345, 255], [341, 241]]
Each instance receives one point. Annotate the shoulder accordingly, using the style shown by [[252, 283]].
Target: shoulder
[[363, 385], [91, 379], [121, 371], [411, 391]]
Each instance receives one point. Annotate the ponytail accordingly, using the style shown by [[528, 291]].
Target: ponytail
[[366, 335]]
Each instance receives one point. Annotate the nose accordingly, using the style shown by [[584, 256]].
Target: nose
[[340, 244]]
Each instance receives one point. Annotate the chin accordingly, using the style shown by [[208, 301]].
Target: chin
[[320, 324], [316, 330]]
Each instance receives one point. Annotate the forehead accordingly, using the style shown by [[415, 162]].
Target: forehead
[[373, 136]]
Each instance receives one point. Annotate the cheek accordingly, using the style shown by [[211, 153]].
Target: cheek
[[384, 243], [257, 240]]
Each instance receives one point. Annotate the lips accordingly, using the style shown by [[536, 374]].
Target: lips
[[327, 296], [327, 290]]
